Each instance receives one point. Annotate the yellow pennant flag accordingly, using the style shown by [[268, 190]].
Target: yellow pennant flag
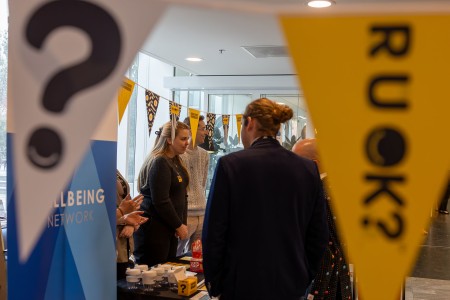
[[377, 90], [226, 126], [175, 109], [174, 115], [225, 120], [238, 125], [194, 116], [125, 92]]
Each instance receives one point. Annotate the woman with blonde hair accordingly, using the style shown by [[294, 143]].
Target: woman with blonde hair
[[163, 180]]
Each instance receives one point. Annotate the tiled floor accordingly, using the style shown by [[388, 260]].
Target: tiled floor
[[431, 277], [427, 289]]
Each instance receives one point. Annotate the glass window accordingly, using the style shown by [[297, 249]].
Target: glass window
[[135, 140], [225, 140]]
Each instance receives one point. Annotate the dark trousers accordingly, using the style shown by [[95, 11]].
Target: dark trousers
[[154, 243], [121, 269]]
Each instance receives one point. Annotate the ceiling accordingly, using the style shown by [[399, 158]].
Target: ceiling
[[187, 31], [216, 30]]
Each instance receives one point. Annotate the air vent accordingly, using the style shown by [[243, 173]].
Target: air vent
[[266, 51]]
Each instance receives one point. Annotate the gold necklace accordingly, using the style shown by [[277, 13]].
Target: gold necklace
[[175, 166]]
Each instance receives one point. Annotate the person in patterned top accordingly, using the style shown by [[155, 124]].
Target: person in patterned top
[[196, 160], [333, 278]]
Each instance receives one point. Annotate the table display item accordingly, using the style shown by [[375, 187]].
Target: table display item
[[187, 287], [197, 257], [148, 280], [132, 282], [141, 267]]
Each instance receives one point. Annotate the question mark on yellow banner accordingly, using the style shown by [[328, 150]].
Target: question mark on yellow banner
[[45, 147]]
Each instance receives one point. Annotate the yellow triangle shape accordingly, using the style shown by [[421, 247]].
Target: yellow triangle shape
[[194, 117], [377, 90], [239, 125], [125, 92]]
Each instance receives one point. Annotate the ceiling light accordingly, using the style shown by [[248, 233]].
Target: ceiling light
[[194, 59], [320, 3]]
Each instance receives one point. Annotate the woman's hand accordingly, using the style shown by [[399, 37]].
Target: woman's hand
[[138, 200], [126, 232], [182, 232], [129, 205], [134, 218]]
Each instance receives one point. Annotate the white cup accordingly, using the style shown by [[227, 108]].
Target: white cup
[[159, 274], [133, 272], [148, 280], [166, 267], [132, 282], [141, 267], [149, 274]]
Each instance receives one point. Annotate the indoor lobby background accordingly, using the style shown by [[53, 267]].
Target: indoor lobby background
[[431, 277]]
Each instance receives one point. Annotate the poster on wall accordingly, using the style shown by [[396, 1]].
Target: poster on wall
[[66, 64]]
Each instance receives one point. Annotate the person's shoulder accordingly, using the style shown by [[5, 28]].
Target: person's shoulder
[[202, 151], [304, 164], [236, 156], [301, 160], [160, 160]]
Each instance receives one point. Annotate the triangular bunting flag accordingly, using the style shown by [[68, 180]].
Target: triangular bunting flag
[[65, 99], [238, 125], [194, 116], [175, 110], [209, 139], [151, 101], [226, 126], [375, 86], [125, 92]]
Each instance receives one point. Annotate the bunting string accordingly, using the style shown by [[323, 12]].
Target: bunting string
[[180, 105], [152, 102]]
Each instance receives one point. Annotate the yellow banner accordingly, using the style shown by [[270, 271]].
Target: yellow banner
[[125, 92], [225, 119], [377, 90], [239, 124], [194, 116], [175, 109]]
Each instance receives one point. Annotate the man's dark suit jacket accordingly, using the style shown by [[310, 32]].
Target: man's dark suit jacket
[[265, 228]]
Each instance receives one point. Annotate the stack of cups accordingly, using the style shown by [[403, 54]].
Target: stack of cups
[[133, 278], [148, 279], [141, 267], [166, 268], [159, 276]]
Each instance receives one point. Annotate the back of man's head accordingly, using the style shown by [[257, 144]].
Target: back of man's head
[[306, 148]]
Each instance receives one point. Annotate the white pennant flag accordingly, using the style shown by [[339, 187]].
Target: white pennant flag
[[67, 60]]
